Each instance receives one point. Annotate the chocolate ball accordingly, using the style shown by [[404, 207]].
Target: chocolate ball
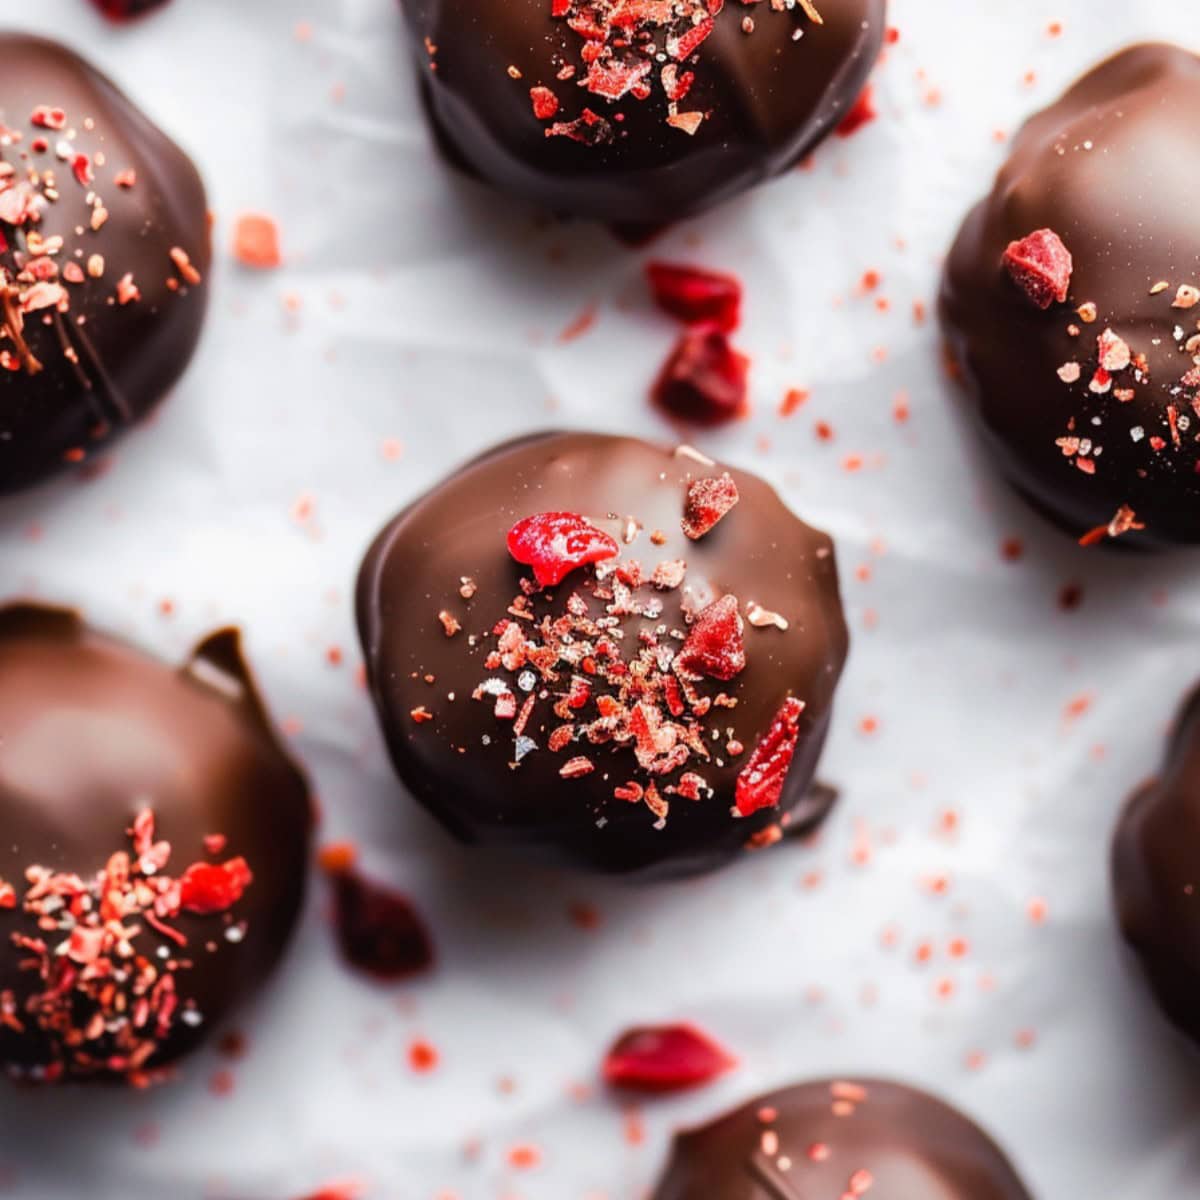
[[840, 1139], [1155, 877], [619, 654], [1070, 304], [155, 846], [597, 110], [104, 251]]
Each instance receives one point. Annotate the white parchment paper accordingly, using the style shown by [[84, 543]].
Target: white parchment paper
[[952, 924]]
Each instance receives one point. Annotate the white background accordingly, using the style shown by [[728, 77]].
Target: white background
[[426, 310]]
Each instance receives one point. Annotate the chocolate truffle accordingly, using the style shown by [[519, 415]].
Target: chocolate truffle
[[620, 654], [104, 249], [1070, 302], [638, 113], [154, 852], [841, 1139], [1156, 857]]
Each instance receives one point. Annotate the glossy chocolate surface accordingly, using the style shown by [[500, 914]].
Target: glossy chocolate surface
[[93, 331], [92, 733], [457, 758], [766, 98], [1156, 874], [840, 1139], [1112, 170]]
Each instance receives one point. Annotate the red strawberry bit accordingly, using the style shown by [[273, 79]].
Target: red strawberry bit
[[8, 895], [207, 888], [1122, 523], [760, 784], [714, 647], [708, 500], [862, 112], [704, 380], [81, 167], [1041, 266], [695, 296], [667, 1058], [125, 10], [378, 929], [545, 103], [556, 543], [46, 117]]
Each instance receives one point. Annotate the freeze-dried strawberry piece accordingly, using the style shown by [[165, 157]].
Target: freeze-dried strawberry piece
[[206, 888], [665, 1058], [761, 781], [1041, 266], [704, 380], [378, 929], [123, 10], [714, 647], [556, 543], [862, 112], [708, 500], [696, 296], [545, 103]]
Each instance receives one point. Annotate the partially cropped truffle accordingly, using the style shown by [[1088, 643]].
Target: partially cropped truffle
[[1071, 303], [104, 253], [638, 113], [841, 1139], [621, 654], [1156, 875], [154, 853]]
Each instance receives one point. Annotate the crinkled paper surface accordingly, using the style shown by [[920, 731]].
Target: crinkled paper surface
[[951, 926]]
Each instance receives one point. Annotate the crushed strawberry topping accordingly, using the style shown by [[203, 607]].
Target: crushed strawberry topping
[[665, 1058], [108, 960], [636, 51], [708, 500], [49, 259], [760, 784], [557, 543], [696, 296], [598, 669], [705, 378], [1041, 265]]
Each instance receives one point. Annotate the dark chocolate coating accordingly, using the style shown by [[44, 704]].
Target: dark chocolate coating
[[1112, 169], [759, 552], [104, 365], [1156, 875], [769, 99], [91, 732], [913, 1146]]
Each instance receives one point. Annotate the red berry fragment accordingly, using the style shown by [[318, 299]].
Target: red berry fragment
[[761, 781], [1041, 266], [124, 10], [206, 888], [714, 647], [704, 380], [666, 1058], [378, 929], [708, 500], [695, 296], [862, 112], [556, 543]]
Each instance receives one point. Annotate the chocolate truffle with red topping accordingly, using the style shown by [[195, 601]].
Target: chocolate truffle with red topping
[[155, 845], [640, 113], [621, 654], [1071, 301], [104, 250], [841, 1138], [1155, 859]]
